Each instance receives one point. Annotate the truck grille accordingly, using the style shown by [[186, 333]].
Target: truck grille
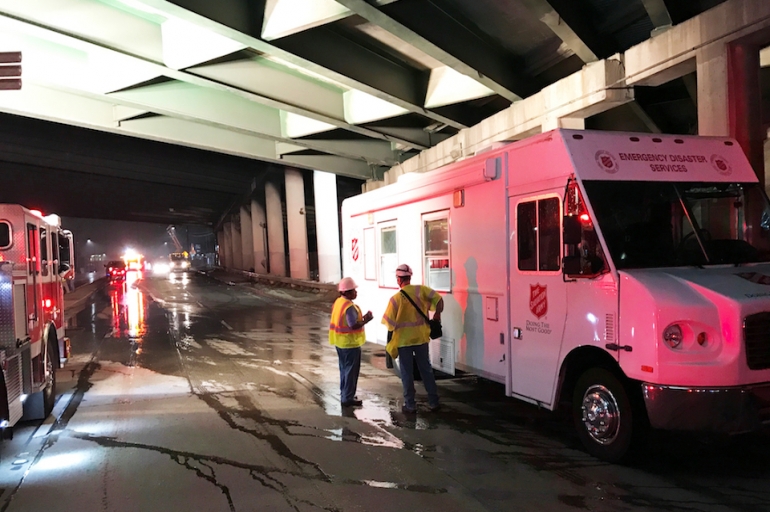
[[756, 331]]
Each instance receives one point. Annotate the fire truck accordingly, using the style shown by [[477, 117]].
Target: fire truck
[[623, 275], [36, 255]]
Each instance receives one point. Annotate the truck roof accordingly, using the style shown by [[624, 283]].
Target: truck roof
[[600, 155], [590, 154]]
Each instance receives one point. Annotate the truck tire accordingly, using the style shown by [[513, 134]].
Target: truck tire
[[49, 392], [605, 419]]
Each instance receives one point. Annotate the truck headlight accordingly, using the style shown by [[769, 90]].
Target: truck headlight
[[673, 336]]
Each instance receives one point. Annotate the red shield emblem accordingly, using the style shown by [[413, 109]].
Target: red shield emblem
[[538, 300], [721, 165]]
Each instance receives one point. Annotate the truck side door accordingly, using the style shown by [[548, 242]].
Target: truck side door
[[538, 294]]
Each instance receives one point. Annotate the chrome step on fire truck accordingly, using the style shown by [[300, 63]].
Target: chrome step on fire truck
[[36, 254]]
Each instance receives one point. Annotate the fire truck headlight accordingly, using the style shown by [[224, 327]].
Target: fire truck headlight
[[673, 336]]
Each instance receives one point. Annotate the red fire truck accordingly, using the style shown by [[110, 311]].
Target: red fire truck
[[36, 254]]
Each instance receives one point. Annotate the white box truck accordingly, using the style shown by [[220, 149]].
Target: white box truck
[[627, 275]]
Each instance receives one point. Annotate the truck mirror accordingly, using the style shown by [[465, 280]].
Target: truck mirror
[[573, 231], [571, 265]]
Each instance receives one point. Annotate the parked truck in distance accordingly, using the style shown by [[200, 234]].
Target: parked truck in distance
[[624, 275], [36, 254]]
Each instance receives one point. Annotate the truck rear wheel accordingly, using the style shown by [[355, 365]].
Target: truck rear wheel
[[604, 416]]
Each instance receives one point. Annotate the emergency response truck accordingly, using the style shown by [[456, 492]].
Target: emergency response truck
[[625, 275], [36, 254]]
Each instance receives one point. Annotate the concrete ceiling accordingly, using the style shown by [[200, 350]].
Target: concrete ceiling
[[352, 87]]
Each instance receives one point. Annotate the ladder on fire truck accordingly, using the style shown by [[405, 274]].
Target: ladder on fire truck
[[171, 230]]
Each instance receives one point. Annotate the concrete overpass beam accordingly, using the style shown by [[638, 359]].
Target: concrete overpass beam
[[275, 236], [594, 89], [247, 239], [327, 226], [296, 224], [572, 123]]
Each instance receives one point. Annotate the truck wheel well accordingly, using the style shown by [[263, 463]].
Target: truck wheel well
[[576, 363]]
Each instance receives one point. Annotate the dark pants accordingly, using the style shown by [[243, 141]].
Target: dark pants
[[409, 356], [350, 366]]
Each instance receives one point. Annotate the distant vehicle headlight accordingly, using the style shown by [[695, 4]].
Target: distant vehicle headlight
[[161, 268]]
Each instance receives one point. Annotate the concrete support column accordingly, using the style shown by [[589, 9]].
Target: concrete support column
[[247, 239], [235, 227], [729, 96], [227, 253], [221, 246], [296, 224], [259, 236], [327, 226], [275, 238], [745, 100], [712, 91]]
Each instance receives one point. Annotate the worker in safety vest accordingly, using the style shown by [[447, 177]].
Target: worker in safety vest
[[346, 333], [409, 330]]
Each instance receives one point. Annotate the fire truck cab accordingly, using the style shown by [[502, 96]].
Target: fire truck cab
[[626, 275], [36, 255]]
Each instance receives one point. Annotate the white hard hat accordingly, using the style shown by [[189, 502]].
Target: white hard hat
[[403, 270], [347, 284]]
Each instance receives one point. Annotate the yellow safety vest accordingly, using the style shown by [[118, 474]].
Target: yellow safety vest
[[408, 326], [340, 333]]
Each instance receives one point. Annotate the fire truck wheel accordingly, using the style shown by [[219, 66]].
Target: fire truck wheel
[[604, 416], [49, 393]]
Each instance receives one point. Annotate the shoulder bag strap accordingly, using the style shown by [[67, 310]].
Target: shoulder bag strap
[[415, 306]]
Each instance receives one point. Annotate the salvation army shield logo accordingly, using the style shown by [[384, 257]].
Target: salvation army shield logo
[[721, 165], [606, 161], [538, 300]]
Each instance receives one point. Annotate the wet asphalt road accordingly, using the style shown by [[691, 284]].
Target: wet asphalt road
[[192, 395]]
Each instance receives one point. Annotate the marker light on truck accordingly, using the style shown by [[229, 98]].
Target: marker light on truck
[[672, 335]]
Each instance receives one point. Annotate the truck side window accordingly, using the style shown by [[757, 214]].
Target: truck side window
[[32, 242], [6, 235], [436, 252], [526, 229], [539, 237], [388, 257], [55, 251], [548, 232], [44, 251]]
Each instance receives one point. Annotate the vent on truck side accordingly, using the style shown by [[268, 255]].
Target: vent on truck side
[[609, 328], [756, 333]]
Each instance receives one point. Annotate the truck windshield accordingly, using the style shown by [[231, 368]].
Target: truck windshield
[[668, 224]]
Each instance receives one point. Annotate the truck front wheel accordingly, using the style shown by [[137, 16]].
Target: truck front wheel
[[604, 416], [49, 392]]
